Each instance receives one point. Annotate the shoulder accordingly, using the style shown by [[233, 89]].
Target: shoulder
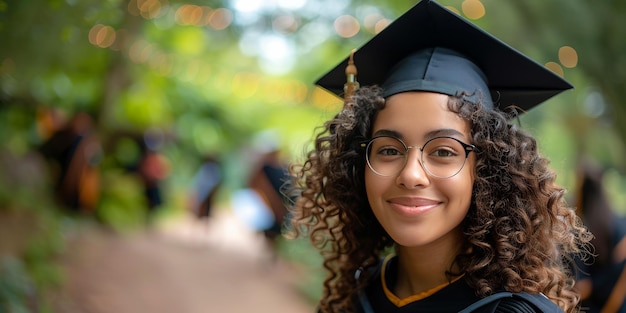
[[506, 302], [527, 305]]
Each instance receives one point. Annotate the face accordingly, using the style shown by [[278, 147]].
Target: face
[[415, 208]]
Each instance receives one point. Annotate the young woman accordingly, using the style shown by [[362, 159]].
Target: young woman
[[421, 195]]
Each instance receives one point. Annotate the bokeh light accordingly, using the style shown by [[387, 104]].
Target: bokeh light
[[473, 9], [347, 26], [189, 14], [371, 20], [285, 24], [195, 15], [220, 18], [380, 25], [147, 9], [568, 56], [555, 67], [594, 104], [102, 36], [140, 51]]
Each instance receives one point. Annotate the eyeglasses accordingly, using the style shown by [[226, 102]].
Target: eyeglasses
[[441, 157]]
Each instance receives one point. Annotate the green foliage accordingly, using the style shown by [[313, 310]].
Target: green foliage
[[30, 241], [16, 289], [123, 205], [302, 253], [595, 31], [42, 250], [616, 184]]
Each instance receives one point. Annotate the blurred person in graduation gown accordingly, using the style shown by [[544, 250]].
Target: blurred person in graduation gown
[[602, 283], [75, 153]]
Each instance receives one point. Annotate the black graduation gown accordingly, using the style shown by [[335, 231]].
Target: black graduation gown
[[604, 277], [455, 297]]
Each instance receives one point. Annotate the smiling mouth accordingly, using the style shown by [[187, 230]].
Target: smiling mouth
[[413, 202], [412, 206]]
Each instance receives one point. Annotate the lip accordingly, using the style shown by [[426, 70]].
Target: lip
[[412, 206]]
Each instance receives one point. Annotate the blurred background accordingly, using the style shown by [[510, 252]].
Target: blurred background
[[134, 128]]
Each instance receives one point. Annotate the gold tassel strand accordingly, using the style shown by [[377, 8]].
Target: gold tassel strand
[[351, 84]]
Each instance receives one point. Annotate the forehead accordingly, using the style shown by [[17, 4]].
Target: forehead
[[418, 115]]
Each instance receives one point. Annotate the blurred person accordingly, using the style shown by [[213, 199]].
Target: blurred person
[[602, 284], [153, 168], [205, 187], [268, 175], [421, 194], [76, 153]]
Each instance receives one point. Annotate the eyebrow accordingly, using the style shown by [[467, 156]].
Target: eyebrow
[[443, 132], [431, 134], [388, 132]]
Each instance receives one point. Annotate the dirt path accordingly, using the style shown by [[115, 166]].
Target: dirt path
[[181, 268]]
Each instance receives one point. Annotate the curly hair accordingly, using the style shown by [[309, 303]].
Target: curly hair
[[519, 231]]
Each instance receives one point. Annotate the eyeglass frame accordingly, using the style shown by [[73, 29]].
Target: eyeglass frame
[[466, 147]]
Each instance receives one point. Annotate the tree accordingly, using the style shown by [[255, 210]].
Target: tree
[[596, 31]]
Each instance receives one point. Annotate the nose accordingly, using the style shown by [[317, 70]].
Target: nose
[[413, 173]]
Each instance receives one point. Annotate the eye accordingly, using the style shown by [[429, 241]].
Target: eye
[[387, 148], [443, 148], [443, 152], [389, 151]]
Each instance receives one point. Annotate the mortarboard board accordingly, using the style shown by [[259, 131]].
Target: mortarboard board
[[430, 48]]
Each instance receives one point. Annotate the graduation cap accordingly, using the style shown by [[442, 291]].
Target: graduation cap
[[430, 48]]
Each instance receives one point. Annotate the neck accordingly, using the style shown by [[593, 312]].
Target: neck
[[421, 269]]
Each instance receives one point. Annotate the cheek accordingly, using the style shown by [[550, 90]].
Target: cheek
[[465, 186], [374, 186], [370, 182], [459, 188]]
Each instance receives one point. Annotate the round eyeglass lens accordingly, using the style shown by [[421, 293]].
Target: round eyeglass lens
[[441, 157]]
